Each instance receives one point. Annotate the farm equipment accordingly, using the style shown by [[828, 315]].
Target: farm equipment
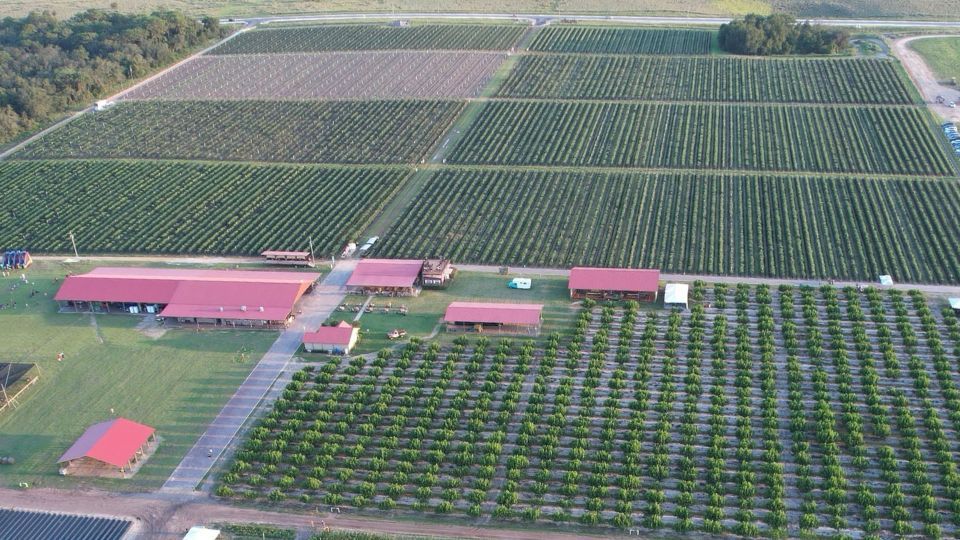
[[397, 333]]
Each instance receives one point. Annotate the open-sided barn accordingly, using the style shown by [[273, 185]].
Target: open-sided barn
[[108, 448], [218, 297], [392, 277], [499, 317], [614, 283]]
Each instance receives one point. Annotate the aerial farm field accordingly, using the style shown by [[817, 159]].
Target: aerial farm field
[[760, 412]]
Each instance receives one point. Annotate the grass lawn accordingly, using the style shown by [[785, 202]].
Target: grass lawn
[[941, 54], [176, 382], [426, 310]]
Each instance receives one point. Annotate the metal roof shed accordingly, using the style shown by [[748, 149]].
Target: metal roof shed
[[675, 295]]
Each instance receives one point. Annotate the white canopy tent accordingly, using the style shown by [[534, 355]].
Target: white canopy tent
[[202, 533], [675, 295]]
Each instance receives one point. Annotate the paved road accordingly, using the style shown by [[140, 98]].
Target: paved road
[[543, 19], [262, 385]]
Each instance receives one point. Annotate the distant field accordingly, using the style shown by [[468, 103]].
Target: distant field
[[170, 207], [326, 76], [176, 383], [941, 54], [288, 131], [691, 136], [230, 8], [799, 227], [588, 39], [725, 79], [351, 38]]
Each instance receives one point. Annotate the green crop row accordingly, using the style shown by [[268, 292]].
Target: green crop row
[[156, 207], [885, 140], [361, 38], [277, 131], [621, 40], [799, 227], [817, 80]]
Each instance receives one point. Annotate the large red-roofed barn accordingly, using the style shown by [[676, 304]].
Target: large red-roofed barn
[[501, 317], [614, 283], [108, 448], [391, 277], [218, 297]]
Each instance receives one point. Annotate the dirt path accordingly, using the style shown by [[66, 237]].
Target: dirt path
[[924, 78], [162, 516]]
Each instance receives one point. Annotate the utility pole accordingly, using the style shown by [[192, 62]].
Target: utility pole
[[311, 248], [74, 242]]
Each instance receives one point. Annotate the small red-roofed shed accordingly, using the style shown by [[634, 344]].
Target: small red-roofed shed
[[338, 339], [107, 448], [615, 283], [500, 317], [389, 277]]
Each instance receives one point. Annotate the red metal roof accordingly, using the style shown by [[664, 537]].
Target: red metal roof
[[385, 273], [491, 313], [615, 279], [115, 442], [194, 293], [341, 334]]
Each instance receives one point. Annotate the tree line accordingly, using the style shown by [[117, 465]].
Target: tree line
[[780, 34], [49, 66]]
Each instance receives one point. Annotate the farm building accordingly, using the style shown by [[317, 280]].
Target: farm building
[[338, 339], [289, 258], [115, 448], [215, 297], [388, 277], [614, 283], [498, 317], [437, 273], [675, 295]]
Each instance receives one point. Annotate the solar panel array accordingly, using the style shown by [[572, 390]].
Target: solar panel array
[[20, 524]]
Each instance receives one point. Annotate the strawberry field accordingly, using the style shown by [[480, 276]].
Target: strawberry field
[[812, 227], [775, 412], [291, 131], [887, 140], [171, 207], [725, 79], [366, 37], [599, 40], [341, 75]]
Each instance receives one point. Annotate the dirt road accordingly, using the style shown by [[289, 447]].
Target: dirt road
[[924, 78], [168, 516]]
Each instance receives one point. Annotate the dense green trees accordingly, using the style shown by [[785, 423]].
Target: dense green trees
[[48, 66], [779, 34]]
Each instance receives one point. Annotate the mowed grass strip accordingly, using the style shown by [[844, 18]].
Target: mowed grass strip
[[176, 383], [942, 54], [794, 227], [781, 80], [182, 207], [370, 37], [834, 139], [593, 39], [276, 131]]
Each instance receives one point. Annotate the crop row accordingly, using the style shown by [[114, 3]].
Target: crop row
[[707, 79], [346, 75], [783, 226], [369, 37], [168, 207], [890, 140], [759, 412], [621, 40], [291, 131]]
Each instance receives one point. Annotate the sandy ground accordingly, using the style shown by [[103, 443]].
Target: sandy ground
[[925, 80], [160, 516]]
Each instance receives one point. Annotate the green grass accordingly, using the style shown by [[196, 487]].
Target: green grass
[[941, 54], [176, 383]]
